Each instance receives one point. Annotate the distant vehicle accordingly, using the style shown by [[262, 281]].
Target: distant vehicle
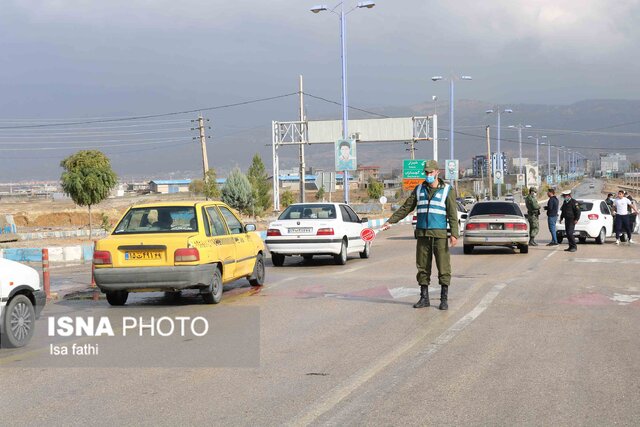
[[508, 198], [496, 224], [469, 200], [462, 217], [171, 246], [310, 229], [21, 302], [596, 222], [592, 185]]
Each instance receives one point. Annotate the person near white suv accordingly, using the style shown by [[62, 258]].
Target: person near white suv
[[622, 205]]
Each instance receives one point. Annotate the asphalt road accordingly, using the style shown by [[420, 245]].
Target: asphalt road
[[544, 338]]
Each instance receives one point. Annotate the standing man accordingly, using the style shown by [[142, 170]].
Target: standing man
[[533, 210], [570, 212], [609, 200], [552, 215], [622, 205], [436, 203]]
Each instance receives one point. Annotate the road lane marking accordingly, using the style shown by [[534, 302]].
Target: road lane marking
[[623, 299], [607, 260], [551, 254], [360, 378]]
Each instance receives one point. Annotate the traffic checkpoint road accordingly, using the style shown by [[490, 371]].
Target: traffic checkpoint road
[[547, 337]]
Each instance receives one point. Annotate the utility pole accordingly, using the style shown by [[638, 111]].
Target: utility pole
[[412, 148], [203, 143], [302, 138], [489, 162]]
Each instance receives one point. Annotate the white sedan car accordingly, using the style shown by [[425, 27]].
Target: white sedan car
[[21, 301], [310, 229], [596, 222]]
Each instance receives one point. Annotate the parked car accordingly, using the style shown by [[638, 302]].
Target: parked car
[[178, 245], [21, 302], [508, 198], [596, 222], [310, 229], [496, 224], [469, 200], [462, 217]]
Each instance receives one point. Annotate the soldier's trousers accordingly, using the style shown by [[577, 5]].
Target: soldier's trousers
[[534, 225], [428, 248]]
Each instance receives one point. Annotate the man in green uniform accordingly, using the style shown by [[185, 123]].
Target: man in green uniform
[[436, 208], [533, 209]]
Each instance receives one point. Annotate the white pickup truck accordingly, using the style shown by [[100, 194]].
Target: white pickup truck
[[21, 302]]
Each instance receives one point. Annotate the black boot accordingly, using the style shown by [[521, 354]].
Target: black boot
[[444, 290], [532, 242], [424, 297]]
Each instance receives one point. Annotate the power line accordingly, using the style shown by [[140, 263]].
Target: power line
[[149, 116], [350, 107]]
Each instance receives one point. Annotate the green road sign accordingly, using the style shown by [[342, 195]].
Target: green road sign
[[413, 169]]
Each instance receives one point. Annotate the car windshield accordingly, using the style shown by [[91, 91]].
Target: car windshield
[[495, 208], [585, 206], [309, 212], [160, 219]]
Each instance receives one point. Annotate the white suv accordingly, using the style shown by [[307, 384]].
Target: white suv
[[21, 302], [596, 222]]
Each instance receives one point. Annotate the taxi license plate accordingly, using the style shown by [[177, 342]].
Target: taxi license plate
[[144, 255], [300, 230]]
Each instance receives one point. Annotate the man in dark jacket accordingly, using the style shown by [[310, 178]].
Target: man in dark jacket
[[570, 212], [552, 215]]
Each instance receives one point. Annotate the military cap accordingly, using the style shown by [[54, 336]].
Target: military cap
[[566, 192], [431, 165]]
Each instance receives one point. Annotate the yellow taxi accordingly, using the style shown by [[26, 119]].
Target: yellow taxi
[[178, 245]]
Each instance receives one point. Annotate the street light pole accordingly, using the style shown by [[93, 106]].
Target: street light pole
[[343, 53], [520, 127], [499, 162], [451, 109]]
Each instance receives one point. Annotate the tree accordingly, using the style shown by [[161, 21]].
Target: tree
[[374, 188], [287, 198], [87, 178], [211, 190], [237, 192], [196, 186], [258, 178], [320, 193]]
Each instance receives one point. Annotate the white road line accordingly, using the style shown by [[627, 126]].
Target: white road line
[[361, 377], [606, 260], [551, 254]]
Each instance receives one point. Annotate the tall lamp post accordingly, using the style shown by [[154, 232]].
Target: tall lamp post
[[537, 148], [548, 144], [451, 79], [343, 51], [520, 127], [499, 162]]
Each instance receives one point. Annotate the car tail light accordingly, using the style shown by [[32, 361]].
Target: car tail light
[[325, 232], [273, 232], [415, 218], [515, 226], [186, 255], [592, 217], [101, 257], [476, 226]]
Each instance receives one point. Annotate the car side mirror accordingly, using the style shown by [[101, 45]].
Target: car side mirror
[[363, 220], [249, 227]]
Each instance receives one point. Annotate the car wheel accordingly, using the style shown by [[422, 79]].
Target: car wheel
[[277, 260], [341, 258], [524, 249], [559, 237], [215, 294], [602, 236], [467, 249], [117, 298], [582, 240], [257, 278], [19, 321], [367, 251]]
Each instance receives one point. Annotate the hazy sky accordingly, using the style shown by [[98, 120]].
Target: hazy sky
[[68, 59]]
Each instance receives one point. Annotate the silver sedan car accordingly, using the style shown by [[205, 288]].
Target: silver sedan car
[[496, 224]]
